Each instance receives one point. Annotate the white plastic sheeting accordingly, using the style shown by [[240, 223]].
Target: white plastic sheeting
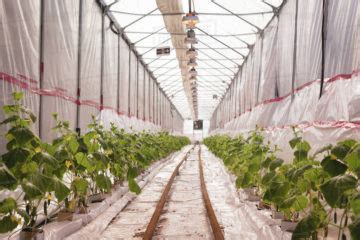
[[231, 207], [66, 59], [19, 54], [289, 85]]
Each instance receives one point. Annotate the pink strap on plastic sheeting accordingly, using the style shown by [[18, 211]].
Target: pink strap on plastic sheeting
[[319, 124], [57, 92], [279, 99]]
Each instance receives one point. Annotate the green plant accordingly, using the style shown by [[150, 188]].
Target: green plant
[[27, 165], [307, 190], [72, 167]]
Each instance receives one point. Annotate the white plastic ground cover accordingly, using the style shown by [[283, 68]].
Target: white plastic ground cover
[[239, 218], [119, 197], [336, 116], [102, 225], [184, 215]]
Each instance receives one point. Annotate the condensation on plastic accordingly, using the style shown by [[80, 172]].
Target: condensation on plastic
[[110, 67], [285, 48], [308, 47], [141, 92], [20, 67], [342, 25], [90, 67], [60, 63], [133, 83], [231, 208], [280, 105], [19, 55], [268, 70], [124, 76], [323, 121]]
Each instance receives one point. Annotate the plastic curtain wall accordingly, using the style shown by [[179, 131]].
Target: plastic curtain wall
[[303, 71], [66, 59]]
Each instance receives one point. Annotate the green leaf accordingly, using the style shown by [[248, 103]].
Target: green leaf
[[24, 215], [22, 135], [43, 157], [133, 186], [7, 205], [32, 192], [80, 186], [83, 160], [300, 155], [18, 155], [333, 166], [355, 204], [7, 179], [103, 182], [267, 178], [301, 202], [340, 151], [8, 223], [10, 119], [42, 182], [307, 226], [74, 145], [353, 159], [29, 168], [354, 228], [61, 191], [293, 142], [334, 189], [303, 146], [132, 173], [17, 96], [9, 109], [275, 164]]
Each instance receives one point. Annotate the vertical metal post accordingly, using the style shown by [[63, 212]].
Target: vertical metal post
[[144, 93], [323, 44], [129, 84], [137, 88], [295, 49], [118, 76], [260, 68], [102, 59], [41, 63], [153, 110], [79, 62], [149, 91]]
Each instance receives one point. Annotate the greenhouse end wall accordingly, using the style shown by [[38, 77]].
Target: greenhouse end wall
[[283, 77], [66, 59]]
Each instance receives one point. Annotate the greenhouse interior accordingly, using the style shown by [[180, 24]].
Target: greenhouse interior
[[180, 119]]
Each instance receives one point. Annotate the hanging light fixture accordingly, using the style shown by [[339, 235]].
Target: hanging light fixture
[[191, 53], [193, 84], [190, 19], [191, 37], [193, 72], [192, 63]]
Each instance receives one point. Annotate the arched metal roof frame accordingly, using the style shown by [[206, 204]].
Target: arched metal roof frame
[[214, 61]]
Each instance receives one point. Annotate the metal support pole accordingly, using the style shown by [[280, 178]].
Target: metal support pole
[[129, 86], [323, 44], [41, 63], [102, 61], [118, 75], [144, 96], [78, 93], [137, 88], [295, 49]]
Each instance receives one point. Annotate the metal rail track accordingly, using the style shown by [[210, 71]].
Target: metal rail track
[[216, 229]]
